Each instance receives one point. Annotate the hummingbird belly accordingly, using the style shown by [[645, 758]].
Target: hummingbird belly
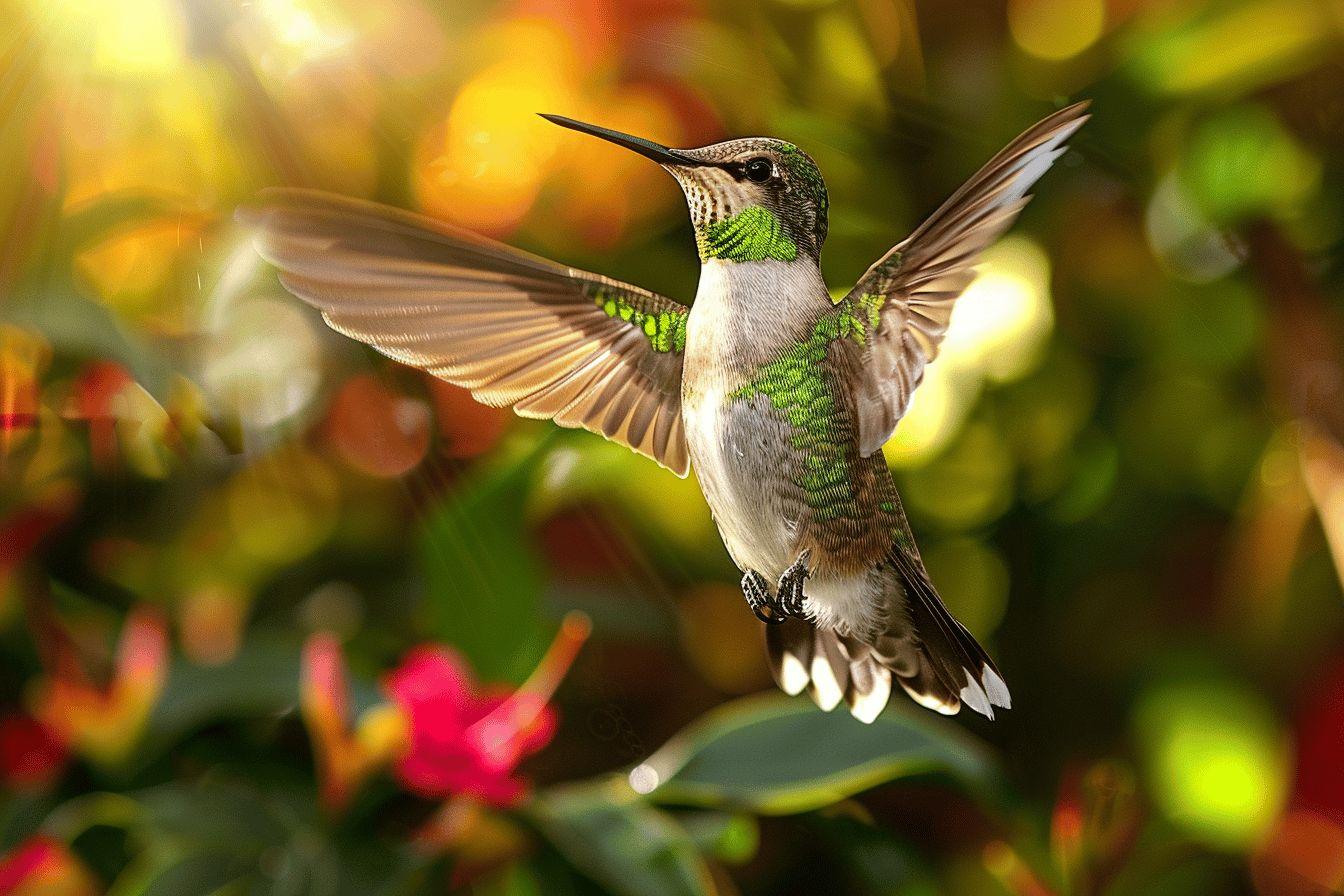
[[738, 450]]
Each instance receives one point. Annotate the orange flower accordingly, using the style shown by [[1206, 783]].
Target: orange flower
[[344, 757], [104, 722]]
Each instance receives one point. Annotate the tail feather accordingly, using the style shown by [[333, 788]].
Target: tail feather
[[869, 688], [926, 651], [789, 649], [830, 667], [957, 659], [830, 671]]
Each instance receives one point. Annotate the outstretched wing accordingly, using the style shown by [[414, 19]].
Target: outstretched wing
[[906, 298], [514, 328]]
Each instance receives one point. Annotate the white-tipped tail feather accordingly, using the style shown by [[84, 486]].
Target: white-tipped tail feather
[[806, 658], [923, 648]]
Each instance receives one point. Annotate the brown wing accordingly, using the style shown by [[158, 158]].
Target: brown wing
[[514, 328], [910, 291]]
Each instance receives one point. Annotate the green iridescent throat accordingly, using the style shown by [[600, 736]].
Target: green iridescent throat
[[665, 330], [753, 234], [800, 386]]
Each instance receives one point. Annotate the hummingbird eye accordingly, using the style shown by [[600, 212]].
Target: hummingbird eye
[[759, 170]]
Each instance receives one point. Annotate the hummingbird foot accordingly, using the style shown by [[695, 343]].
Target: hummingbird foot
[[772, 609], [789, 592], [757, 592]]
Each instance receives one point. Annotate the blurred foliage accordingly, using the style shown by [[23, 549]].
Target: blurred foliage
[[275, 613]]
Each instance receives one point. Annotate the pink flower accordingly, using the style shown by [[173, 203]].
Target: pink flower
[[41, 866], [442, 736], [466, 742]]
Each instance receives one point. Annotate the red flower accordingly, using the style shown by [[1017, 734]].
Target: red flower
[[463, 742], [94, 399], [31, 755]]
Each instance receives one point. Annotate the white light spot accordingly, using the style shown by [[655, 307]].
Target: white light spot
[[643, 779]]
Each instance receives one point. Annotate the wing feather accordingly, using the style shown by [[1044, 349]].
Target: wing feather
[[915, 285], [516, 329]]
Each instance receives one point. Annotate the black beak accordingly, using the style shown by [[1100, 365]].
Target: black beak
[[647, 148]]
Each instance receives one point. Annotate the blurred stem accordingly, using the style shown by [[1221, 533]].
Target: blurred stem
[[75, 816], [1306, 357], [1306, 361]]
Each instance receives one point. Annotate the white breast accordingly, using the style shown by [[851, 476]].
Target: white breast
[[737, 447]]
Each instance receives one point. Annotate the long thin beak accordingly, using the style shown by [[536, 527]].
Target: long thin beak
[[647, 148]]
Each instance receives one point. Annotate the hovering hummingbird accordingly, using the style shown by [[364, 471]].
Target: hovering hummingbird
[[779, 396]]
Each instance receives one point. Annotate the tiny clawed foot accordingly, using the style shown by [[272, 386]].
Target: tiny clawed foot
[[757, 592], [790, 589], [788, 599]]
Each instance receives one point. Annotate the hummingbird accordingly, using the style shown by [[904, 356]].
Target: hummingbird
[[778, 395]]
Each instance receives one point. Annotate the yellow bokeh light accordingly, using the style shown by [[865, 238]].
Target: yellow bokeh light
[[936, 413], [1246, 45], [1056, 29], [604, 189], [1002, 319], [850, 71], [131, 270], [282, 506], [998, 328]]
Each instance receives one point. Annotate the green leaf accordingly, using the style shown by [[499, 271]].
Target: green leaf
[[262, 680], [778, 756], [220, 816], [483, 579], [202, 873], [623, 843], [78, 327], [730, 837]]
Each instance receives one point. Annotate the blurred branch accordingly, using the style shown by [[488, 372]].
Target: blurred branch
[[28, 145], [213, 25]]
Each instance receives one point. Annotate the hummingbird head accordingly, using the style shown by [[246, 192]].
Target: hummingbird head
[[752, 199]]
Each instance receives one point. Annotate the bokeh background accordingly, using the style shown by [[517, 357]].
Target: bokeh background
[[280, 616]]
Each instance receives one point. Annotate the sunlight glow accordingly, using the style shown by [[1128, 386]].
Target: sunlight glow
[[484, 167], [130, 37], [1002, 320], [998, 329], [296, 35]]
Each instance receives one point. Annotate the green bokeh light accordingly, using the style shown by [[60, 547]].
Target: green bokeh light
[[1215, 758]]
